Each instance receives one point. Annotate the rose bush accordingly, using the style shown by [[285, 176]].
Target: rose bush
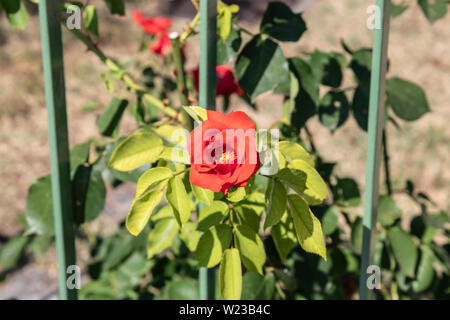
[[253, 216]]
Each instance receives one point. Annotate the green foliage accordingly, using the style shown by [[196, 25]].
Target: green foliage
[[16, 13]]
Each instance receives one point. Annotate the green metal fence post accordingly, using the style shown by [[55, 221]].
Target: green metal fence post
[[52, 57], [376, 118], [207, 84]]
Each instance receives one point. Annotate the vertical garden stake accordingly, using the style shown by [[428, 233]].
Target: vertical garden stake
[[207, 84], [52, 57], [375, 128]]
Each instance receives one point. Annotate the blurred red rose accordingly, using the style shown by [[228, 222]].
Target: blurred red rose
[[152, 25], [162, 46], [226, 82], [223, 151]]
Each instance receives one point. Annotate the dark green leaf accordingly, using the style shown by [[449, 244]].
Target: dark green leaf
[[228, 49], [360, 105], [405, 250], [330, 221], [433, 9], [326, 68], [357, 235], [183, 289], [276, 203], [260, 67], [388, 211], [116, 6], [333, 110], [257, 287], [11, 251], [397, 9], [109, 120], [90, 19], [346, 193], [407, 99], [40, 207], [425, 270], [281, 23]]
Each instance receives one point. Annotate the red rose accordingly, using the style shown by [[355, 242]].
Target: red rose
[[155, 26], [162, 46], [226, 82], [223, 151]]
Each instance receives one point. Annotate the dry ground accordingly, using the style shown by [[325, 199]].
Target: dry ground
[[418, 51]]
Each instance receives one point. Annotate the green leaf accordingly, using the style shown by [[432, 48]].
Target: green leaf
[[89, 194], [212, 215], [236, 194], [294, 179], [408, 100], [330, 221], [247, 216], [326, 68], [138, 149], [151, 179], [79, 155], [284, 236], [433, 9], [90, 19], [357, 235], [212, 244], [109, 120], [16, 13], [203, 195], [183, 289], [360, 105], [397, 9], [197, 113], [11, 251], [281, 23], [334, 110], [388, 211], [316, 189], [346, 193], [276, 203], [257, 287], [161, 236], [162, 213], [230, 275], [141, 211], [260, 66], [228, 49], [293, 151], [250, 247], [190, 236], [405, 250], [116, 6], [178, 198], [361, 64], [39, 212], [307, 226], [425, 270]]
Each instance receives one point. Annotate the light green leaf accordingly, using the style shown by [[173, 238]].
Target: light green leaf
[[250, 247], [230, 275], [175, 154], [151, 179], [162, 213], [16, 13], [197, 113], [316, 189], [276, 203], [141, 211], [136, 150], [407, 99], [190, 236], [307, 226], [212, 215], [203, 195], [212, 244], [284, 236], [237, 194], [293, 151], [405, 250], [161, 236], [178, 198], [90, 19]]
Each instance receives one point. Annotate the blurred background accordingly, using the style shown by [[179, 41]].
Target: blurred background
[[420, 151]]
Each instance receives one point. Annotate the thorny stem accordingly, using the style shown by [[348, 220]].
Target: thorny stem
[[126, 78], [191, 28], [310, 138], [386, 164]]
